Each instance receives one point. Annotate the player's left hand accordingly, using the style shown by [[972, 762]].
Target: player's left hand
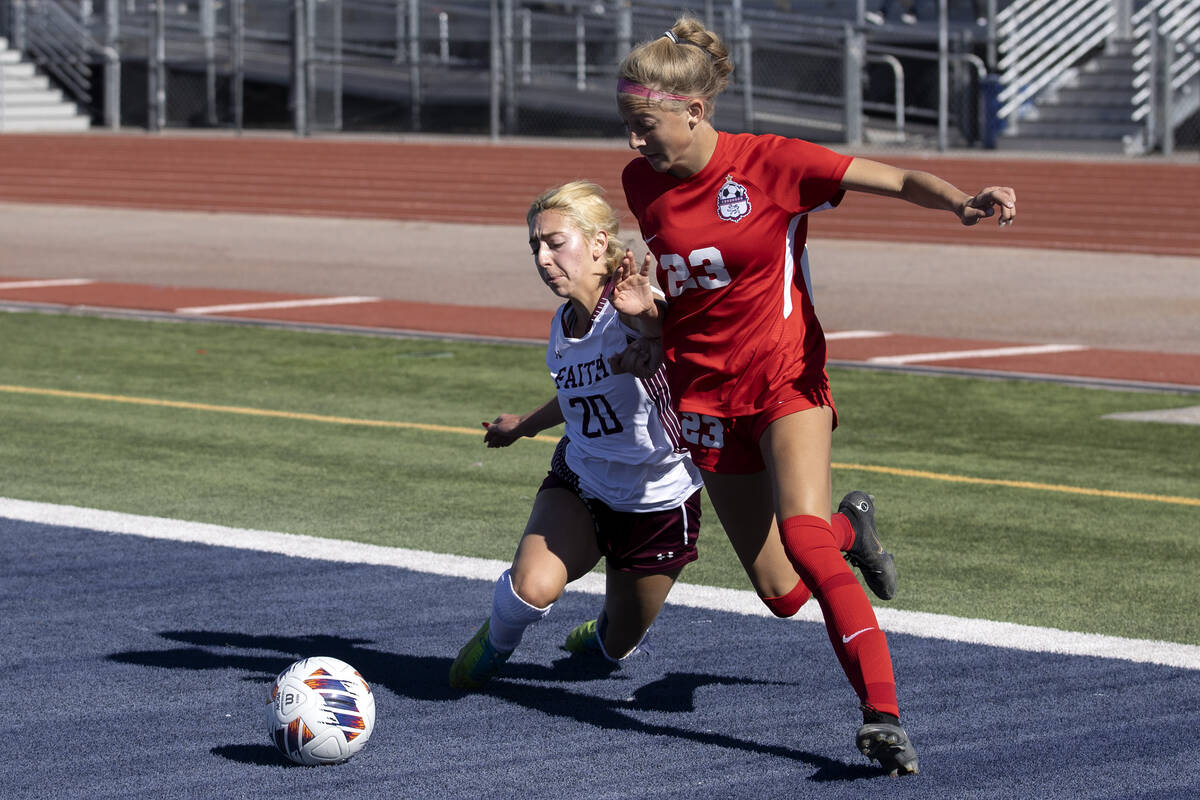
[[632, 293], [641, 358], [985, 204]]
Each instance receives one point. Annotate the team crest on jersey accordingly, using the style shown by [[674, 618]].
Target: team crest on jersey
[[733, 202]]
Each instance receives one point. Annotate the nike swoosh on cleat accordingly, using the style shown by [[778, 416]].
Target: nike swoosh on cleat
[[847, 639]]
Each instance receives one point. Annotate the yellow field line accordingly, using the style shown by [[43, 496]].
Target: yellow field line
[[254, 412], [378, 423], [1041, 487]]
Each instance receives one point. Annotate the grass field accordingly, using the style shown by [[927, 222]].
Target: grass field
[[1003, 500]]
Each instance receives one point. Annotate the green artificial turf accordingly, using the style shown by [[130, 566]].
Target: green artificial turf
[[1035, 555]]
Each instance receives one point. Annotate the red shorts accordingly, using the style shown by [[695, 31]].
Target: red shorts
[[729, 445], [648, 542]]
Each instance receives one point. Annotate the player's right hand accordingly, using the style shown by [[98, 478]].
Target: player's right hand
[[502, 431]]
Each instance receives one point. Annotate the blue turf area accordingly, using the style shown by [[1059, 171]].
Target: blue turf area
[[136, 667]]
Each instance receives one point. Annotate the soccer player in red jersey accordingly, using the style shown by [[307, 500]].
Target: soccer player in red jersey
[[726, 217]]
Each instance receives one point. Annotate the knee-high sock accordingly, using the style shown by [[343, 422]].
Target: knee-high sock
[[787, 605], [511, 615], [860, 645], [843, 531]]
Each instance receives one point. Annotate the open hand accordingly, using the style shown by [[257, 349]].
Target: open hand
[[632, 293]]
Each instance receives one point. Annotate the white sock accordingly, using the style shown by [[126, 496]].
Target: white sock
[[511, 615], [643, 645]]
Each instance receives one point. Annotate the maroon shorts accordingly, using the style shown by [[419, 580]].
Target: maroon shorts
[[648, 542]]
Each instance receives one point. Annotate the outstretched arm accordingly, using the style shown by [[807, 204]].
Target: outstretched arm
[[507, 428], [928, 190]]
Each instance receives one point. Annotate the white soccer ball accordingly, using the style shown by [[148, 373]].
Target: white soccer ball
[[321, 711]]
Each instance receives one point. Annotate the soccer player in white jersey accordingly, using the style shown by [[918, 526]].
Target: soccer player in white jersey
[[620, 484], [726, 216]]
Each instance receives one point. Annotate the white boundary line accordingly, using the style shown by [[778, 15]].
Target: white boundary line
[[44, 284], [318, 301], [915, 623], [831, 336], [994, 352]]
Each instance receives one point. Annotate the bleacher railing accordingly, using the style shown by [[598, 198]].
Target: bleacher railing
[[1167, 68], [51, 33], [1041, 41], [794, 68]]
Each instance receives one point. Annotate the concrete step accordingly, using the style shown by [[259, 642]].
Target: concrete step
[[1087, 113], [29, 104], [1040, 144], [35, 97], [1109, 63], [1120, 48], [1100, 80], [47, 111], [32, 83], [76, 123], [1080, 96], [1077, 129], [21, 70]]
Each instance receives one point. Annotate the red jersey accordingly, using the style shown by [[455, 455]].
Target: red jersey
[[730, 244]]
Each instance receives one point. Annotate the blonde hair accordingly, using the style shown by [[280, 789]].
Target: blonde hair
[[583, 203], [694, 63]]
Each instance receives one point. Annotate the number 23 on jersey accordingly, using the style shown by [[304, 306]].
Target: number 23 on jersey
[[704, 268]]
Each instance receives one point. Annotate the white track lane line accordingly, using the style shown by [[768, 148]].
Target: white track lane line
[[994, 352], [932, 626], [318, 301], [44, 284], [856, 334]]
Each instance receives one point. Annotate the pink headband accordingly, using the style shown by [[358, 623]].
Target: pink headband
[[625, 86]]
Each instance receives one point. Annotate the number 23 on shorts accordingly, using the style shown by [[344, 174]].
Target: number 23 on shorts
[[702, 429]]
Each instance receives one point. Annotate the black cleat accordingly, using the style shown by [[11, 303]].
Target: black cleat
[[877, 566], [889, 745]]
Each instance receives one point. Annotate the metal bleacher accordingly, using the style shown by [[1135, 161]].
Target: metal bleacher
[[1107, 74]]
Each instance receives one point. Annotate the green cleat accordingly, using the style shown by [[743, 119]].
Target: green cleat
[[477, 661], [583, 639]]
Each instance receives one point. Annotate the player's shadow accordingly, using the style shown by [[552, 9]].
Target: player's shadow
[[425, 678]]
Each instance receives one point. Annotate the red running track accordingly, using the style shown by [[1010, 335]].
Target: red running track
[[1114, 205], [1123, 206], [384, 316]]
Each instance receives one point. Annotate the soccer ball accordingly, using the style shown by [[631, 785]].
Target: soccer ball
[[321, 711]]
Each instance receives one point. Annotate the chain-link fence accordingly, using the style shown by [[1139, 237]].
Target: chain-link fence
[[937, 75]]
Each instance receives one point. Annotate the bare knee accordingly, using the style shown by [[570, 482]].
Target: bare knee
[[537, 588]]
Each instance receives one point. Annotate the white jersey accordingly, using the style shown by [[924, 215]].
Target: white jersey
[[622, 434]]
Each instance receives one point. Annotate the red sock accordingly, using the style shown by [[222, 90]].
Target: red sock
[[860, 645], [788, 604], [843, 531]]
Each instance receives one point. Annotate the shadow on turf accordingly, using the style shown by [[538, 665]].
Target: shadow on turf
[[258, 755], [425, 678]]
